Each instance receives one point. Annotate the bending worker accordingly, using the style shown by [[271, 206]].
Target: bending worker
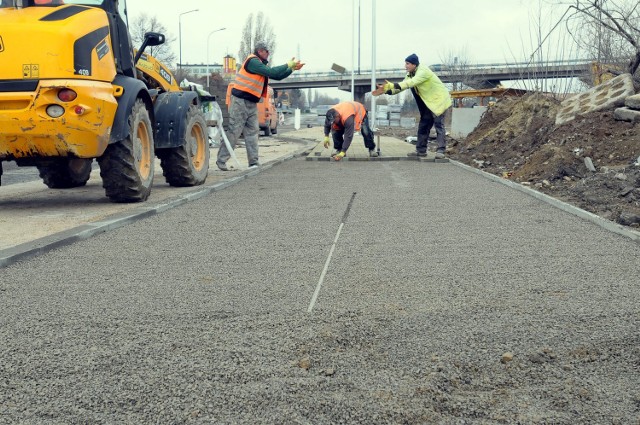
[[342, 121]]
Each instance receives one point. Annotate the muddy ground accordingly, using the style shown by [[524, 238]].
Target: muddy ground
[[517, 139]]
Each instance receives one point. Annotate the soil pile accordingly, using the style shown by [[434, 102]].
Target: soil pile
[[591, 162]]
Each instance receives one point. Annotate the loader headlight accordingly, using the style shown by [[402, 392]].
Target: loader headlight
[[55, 111]]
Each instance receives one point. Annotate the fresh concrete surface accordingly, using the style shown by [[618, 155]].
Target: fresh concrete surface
[[34, 219]]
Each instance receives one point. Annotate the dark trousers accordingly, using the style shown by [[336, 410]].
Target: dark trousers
[[367, 134], [424, 128], [440, 133]]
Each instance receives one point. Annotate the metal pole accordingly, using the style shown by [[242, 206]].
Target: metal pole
[[180, 37], [358, 37], [373, 63], [208, 38], [353, 53]]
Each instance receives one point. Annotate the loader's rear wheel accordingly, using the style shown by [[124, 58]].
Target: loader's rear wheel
[[188, 165], [66, 173], [275, 129], [127, 166]]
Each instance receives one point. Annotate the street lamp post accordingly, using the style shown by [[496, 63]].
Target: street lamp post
[[180, 37], [373, 63], [208, 37]]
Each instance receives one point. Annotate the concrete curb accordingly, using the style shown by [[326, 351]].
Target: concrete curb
[[605, 224], [378, 158], [39, 246]]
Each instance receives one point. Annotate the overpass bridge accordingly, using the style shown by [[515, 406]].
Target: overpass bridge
[[479, 76]]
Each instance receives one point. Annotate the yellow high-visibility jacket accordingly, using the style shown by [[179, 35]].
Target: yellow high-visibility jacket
[[432, 91]]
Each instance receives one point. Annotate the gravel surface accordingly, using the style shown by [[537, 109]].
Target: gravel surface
[[447, 298]]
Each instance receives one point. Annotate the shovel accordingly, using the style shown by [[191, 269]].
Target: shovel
[[228, 146]]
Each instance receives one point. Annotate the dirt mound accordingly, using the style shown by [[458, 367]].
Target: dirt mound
[[517, 139]]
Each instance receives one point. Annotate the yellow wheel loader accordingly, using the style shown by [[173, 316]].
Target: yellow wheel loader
[[71, 90]]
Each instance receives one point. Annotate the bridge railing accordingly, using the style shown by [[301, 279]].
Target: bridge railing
[[444, 68]]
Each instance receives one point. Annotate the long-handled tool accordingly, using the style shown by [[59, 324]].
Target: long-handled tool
[[378, 139], [228, 146]]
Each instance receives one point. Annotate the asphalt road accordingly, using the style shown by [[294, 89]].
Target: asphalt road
[[323, 293]]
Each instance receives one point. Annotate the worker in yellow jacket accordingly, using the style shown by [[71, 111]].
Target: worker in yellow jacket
[[431, 95]]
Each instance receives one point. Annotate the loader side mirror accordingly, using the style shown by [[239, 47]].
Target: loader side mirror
[[153, 39], [150, 39]]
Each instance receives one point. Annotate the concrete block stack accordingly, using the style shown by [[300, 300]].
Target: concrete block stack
[[382, 115], [631, 110], [394, 115], [390, 116], [608, 95]]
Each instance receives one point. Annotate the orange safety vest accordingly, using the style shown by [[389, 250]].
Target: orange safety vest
[[250, 83], [346, 109]]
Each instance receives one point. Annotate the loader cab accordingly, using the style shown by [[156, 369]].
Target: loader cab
[[116, 11], [121, 41]]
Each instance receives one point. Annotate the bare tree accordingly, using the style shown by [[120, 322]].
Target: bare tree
[[145, 23], [457, 65], [609, 30], [297, 98], [254, 31], [548, 45]]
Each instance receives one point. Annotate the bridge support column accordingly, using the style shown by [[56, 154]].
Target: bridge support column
[[359, 93]]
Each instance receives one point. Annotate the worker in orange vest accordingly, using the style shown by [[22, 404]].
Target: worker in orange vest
[[342, 121], [249, 86]]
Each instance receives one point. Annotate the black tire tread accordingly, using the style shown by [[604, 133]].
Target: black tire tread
[[177, 167], [61, 176], [120, 178]]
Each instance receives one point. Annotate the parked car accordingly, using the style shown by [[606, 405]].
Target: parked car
[[322, 109]]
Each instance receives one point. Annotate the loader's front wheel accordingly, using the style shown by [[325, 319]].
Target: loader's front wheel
[[127, 166], [188, 165], [66, 173]]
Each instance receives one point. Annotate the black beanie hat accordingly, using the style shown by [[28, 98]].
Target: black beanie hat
[[413, 58], [330, 117]]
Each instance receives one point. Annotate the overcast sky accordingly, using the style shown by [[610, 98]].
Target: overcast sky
[[321, 32]]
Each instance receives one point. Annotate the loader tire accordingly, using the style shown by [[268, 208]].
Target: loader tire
[[188, 165], [127, 166], [275, 129], [66, 173]]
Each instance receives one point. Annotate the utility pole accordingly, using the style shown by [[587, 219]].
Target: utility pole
[[208, 37], [180, 37]]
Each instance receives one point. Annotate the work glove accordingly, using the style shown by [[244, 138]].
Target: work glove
[[292, 63], [387, 86], [339, 156], [326, 142]]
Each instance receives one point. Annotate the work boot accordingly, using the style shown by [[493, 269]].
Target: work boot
[[440, 155], [222, 166], [334, 153], [254, 165], [373, 153], [417, 154]]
